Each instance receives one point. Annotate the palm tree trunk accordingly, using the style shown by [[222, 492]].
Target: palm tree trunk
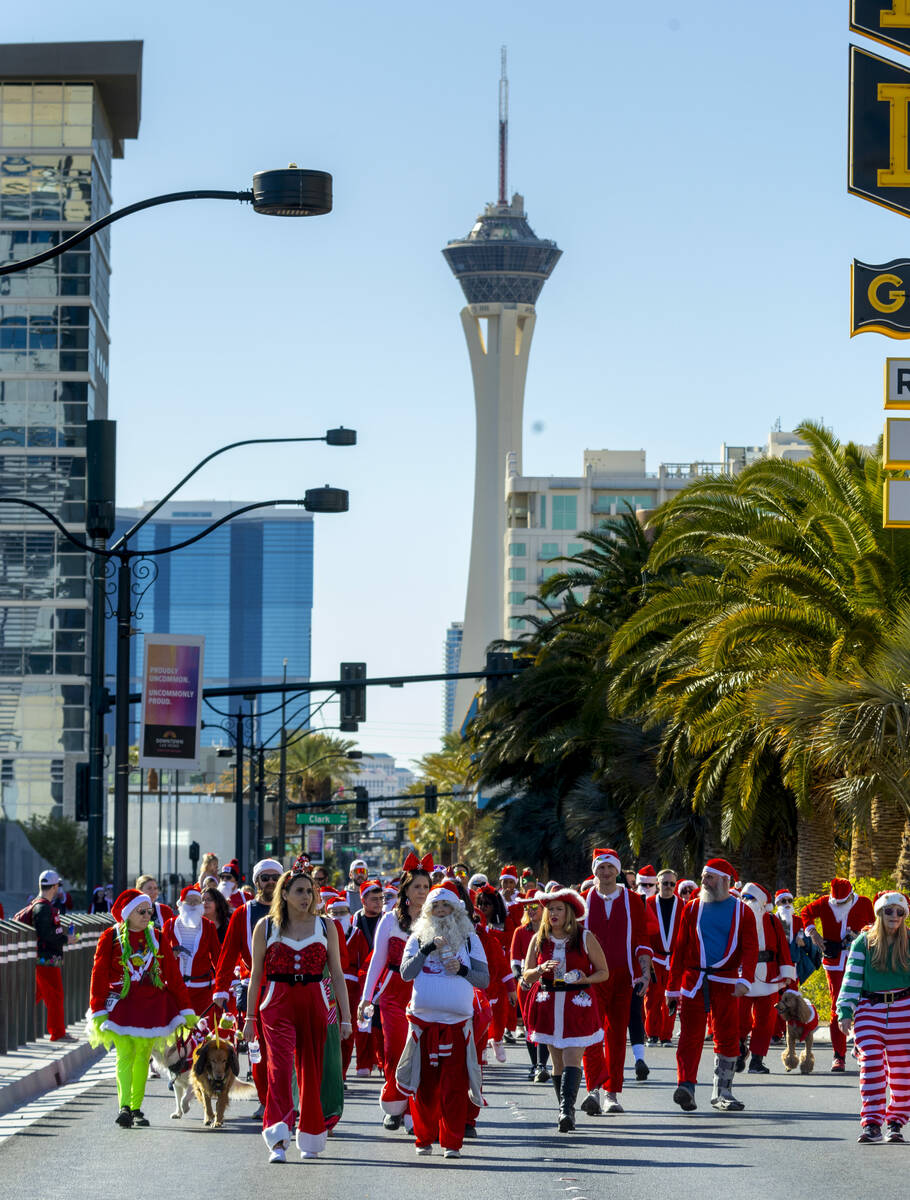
[[860, 854], [885, 836], [902, 872], [814, 850]]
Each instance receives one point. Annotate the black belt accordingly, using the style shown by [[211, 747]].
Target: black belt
[[397, 969], [293, 979], [767, 956], [198, 979], [832, 948], [885, 997], [559, 986]]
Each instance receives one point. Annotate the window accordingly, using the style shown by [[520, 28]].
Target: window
[[575, 548], [517, 574], [543, 512], [549, 550], [565, 512], [518, 549], [516, 622], [517, 597], [549, 572]]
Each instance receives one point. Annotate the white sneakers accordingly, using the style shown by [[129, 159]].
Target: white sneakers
[[500, 1051], [451, 1154], [423, 1150], [278, 1154]]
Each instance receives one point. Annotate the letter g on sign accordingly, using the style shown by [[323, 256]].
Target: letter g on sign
[[895, 298]]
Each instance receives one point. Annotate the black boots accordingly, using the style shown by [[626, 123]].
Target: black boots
[[571, 1082]]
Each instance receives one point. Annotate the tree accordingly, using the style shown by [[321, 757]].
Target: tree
[[62, 842]]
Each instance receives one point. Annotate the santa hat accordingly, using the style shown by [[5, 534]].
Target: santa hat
[[266, 864], [231, 868], [588, 884], [683, 884], [527, 873], [756, 891], [190, 888], [334, 899], [604, 856], [886, 899], [370, 885], [358, 865], [553, 886], [567, 896], [646, 875], [529, 897], [841, 889], [477, 881], [718, 866], [442, 891], [781, 896], [127, 901], [413, 863], [509, 872]]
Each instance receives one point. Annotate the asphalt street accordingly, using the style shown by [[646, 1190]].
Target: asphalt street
[[796, 1138]]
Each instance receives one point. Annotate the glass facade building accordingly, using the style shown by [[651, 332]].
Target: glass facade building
[[454, 635], [64, 112], [248, 588]]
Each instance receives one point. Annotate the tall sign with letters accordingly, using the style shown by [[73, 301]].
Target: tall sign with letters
[[875, 19]]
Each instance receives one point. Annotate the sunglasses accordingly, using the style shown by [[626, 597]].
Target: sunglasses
[[264, 878], [893, 910], [142, 912]]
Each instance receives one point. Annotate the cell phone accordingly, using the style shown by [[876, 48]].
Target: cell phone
[[639, 988]]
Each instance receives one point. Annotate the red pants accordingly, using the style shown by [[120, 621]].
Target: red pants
[[692, 1023], [882, 1036], [440, 1105], [838, 1039], [658, 1022], [604, 1061], [757, 1015], [294, 1022], [49, 988], [394, 1035]]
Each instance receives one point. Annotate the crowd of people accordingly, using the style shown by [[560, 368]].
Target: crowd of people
[[426, 978]]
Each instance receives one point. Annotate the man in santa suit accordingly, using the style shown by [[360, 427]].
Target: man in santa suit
[[358, 874], [843, 915], [229, 884], [712, 965], [617, 918], [195, 946], [646, 881], [666, 910], [236, 955], [360, 947], [508, 887], [774, 972]]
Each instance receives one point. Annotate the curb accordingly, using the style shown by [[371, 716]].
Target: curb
[[47, 1078]]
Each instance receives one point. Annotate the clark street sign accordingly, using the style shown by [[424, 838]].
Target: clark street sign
[[311, 818], [402, 814]]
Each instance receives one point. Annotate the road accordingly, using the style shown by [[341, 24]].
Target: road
[[796, 1138]]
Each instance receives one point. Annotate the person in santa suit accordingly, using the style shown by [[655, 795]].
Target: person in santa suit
[[137, 999], [665, 909], [712, 965], [527, 881], [521, 940], [563, 963], [236, 957], [499, 924], [646, 881], [358, 875], [161, 913], [806, 957], [618, 919], [194, 943], [229, 884], [335, 905], [843, 915], [508, 889], [384, 986], [774, 972], [360, 938]]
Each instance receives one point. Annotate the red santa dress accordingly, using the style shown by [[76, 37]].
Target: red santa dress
[[563, 1014]]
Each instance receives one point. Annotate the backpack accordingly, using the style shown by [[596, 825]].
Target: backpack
[[26, 916]]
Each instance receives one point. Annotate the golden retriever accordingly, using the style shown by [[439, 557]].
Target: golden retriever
[[215, 1071], [801, 1020]]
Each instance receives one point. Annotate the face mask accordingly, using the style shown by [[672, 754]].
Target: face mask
[[191, 915], [226, 887]]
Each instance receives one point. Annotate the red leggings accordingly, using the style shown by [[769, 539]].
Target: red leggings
[[440, 1105], [49, 988], [658, 1022], [692, 1022], [604, 1061], [294, 1022], [757, 1015]]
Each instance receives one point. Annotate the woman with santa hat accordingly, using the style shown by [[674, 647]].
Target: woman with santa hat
[[195, 945], [562, 964], [137, 999], [875, 999], [384, 986], [521, 940]]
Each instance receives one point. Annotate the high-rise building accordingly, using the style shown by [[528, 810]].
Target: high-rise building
[[502, 266], [248, 587], [65, 111], [452, 664]]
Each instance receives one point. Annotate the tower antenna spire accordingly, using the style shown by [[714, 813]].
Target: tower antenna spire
[[503, 129]]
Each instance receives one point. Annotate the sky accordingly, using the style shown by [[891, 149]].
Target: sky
[[689, 160]]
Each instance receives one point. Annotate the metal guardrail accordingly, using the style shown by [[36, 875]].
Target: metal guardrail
[[20, 1020]]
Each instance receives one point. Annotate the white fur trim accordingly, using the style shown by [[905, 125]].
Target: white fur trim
[[310, 1143], [787, 972], [396, 1108], [134, 903], [605, 858], [267, 864], [273, 1134], [891, 898], [139, 1031], [508, 875]]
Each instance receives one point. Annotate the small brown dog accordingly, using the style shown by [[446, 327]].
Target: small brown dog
[[215, 1071], [802, 1021]]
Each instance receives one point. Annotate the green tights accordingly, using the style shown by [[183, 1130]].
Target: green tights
[[133, 1055]]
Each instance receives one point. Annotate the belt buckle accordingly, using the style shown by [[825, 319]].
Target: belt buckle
[[298, 979], [889, 997]]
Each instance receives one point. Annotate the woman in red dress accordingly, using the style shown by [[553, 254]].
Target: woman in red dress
[[385, 987], [562, 963], [521, 940], [291, 948]]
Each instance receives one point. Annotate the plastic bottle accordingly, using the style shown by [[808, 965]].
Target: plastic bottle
[[365, 1024], [254, 1052]]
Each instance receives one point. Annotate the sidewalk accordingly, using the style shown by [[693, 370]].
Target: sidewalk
[[43, 1066]]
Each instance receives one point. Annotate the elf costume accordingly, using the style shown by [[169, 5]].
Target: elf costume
[[138, 1001]]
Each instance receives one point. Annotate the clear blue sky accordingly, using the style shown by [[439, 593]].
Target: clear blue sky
[[689, 159]]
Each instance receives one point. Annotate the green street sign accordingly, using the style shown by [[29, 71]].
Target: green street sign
[[350, 849], [311, 818]]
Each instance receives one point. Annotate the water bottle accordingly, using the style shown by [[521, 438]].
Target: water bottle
[[254, 1052], [71, 929], [365, 1024]]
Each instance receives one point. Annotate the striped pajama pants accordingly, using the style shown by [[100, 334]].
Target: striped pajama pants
[[881, 1033]]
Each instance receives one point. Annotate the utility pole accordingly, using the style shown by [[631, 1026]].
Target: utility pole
[[238, 790], [282, 774]]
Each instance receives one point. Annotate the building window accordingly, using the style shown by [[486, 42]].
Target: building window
[[518, 549], [517, 574], [516, 622], [575, 548], [543, 512], [549, 550], [565, 512], [517, 597], [548, 573]]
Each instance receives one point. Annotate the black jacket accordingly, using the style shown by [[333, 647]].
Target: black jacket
[[51, 938]]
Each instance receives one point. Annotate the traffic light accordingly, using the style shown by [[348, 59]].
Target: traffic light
[[353, 699], [429, 797], [497, 662], [362, 810], [82, 776], [450, 835]]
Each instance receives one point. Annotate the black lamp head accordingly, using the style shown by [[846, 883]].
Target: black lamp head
[[292, 192]]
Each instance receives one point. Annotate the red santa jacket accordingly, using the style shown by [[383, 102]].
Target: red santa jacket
[[521, 939], [688, 964], [501, 978], [237, 946], [837, 926], [198, 972], [623, 935], [774, 969], [107, 970], [662, 940]]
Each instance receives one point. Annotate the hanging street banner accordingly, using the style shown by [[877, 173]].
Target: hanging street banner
[[889, 25], [878, 298], [171, 701], [879, 105]]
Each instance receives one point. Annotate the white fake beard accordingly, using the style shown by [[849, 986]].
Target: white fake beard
[[345, 922], [756, 905], [646, 889], [707, 897], [191, 915], [226, 887], [785, 912], [840, 905], [456, 928]]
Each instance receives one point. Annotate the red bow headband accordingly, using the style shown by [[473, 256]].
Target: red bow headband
[[301, 865], [413, 863]]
